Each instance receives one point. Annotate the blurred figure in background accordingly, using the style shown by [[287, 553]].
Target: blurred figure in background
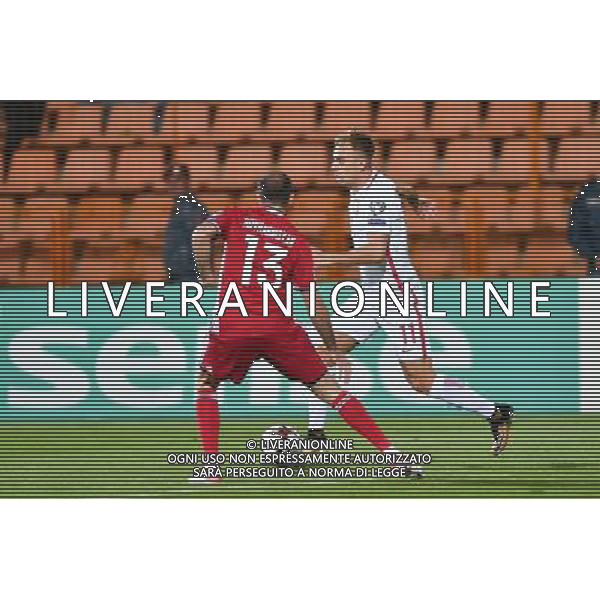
[[186, 214], [584, 230], [22, 118]]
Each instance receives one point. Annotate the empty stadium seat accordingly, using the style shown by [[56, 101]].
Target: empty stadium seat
[[216, 202], [146, 219], [396, 119], [464, 161], [555, 207], [290, 120], [202, 162], [148, 268], [550, 256], [507, 118], [578, 160], [245, 165], [40, 222], [96, 269], [12, 269], [129, 122], [502, 258], [565, 117], [8, 218], [411, 162], [236, 122], [438, 257], [140, 168], [341, 116], [68, 123], [37, 271], [454, 118], [32, 170], [515, 164], [322, 216], [98, 221], [184, 123], [505, 209], [306, 164], [86, 168]]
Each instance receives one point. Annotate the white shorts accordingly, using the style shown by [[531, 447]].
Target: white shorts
[[406, 337]]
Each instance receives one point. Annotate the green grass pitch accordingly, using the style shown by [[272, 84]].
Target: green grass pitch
[[550, 457]]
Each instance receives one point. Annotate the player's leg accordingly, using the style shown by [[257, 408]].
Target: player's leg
[[351, 410], [317, 410], [207, 412], [413, 351]]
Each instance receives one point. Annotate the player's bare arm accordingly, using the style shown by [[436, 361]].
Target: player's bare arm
[[203, 244], [371, 253]]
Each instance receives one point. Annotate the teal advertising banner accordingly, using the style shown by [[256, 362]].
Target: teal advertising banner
[[101, 366]]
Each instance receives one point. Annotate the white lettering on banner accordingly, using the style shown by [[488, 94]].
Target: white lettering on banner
[[535, 298], [115, 365], [117, 309], [506, 307], [28, 351]]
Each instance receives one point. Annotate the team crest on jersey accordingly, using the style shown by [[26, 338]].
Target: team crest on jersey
[[377, 207]]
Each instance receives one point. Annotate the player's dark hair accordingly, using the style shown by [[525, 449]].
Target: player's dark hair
[[276, 188], [360, 142]]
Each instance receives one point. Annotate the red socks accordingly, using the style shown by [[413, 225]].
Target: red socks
[[207, 414], [355, 414]]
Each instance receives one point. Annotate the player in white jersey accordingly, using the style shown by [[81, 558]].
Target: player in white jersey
[[380, 249]]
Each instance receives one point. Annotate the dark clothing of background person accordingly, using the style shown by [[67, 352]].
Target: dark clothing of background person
[[584, 229], [186, 214], [22, 118]]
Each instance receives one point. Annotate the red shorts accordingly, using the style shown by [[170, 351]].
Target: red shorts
[[288, 349]]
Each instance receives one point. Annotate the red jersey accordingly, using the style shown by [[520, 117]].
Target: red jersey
[[261, 245]]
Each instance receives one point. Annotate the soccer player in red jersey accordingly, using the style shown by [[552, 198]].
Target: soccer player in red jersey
[[262, 247]]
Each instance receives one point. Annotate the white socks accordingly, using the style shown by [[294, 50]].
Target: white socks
[[459, 394], [317, 414]]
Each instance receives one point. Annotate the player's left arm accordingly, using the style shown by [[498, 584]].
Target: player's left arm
[[203, 243]]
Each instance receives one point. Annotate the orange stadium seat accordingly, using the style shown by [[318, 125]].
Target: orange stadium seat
[[185, 122], [398, 119], [290, 120], [448, 217], [306, 164], [37, 271], [515, 163], [69, 123], [236, 122], [245, 165], [552, 256], [149, 267], [502, 258], [140, 168], [412, 161], [129, 122], [322, 216], [578, 160], [341, 116], [452, 118], [506, 209], [202, 162], [12, 269], [216, 202], [32, 170], [98, 221], [438, 257], [39, 221], [8, 219], [555, 207], [564, 118], [86, 168], [96, 269], [506, 118], [464, 162], [146, 219]]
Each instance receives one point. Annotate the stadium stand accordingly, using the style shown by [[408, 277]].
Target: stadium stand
[[90, 185]]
